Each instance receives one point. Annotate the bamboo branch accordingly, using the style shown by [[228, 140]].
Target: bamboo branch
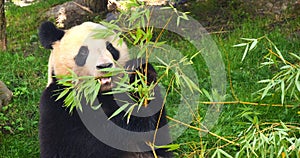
[[248, 103]]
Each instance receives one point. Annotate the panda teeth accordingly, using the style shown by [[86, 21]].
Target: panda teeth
[[105, 80]]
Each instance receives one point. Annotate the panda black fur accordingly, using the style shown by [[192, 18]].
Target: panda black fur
[[63, 135]]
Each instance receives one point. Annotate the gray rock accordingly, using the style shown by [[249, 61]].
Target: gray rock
[[5, 95]]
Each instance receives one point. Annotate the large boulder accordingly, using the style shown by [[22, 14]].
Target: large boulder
[[69, 14]]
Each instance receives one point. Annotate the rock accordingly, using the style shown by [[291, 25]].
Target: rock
[[69, 14], [5, 95]]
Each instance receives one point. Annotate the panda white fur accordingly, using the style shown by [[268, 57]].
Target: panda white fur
[[63, 135]]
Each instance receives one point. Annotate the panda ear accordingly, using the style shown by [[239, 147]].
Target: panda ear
[[49, 33]]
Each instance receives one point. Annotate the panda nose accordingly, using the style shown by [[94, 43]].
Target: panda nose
[[102, 66]]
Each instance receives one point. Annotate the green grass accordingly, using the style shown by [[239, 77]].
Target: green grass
[[244, 76], [24, 69]]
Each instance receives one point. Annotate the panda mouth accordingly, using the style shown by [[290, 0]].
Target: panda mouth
[[104, 80]]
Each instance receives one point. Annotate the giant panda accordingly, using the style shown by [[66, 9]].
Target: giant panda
[[63, 134]]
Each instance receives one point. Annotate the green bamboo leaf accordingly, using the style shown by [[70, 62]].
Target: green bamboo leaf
[[286, 67], [215, 153], [165, 8], [206, 93], [249, 39], [297, 82], [63, 93], [70, 98], [96, 90], [245, 52], [184, 16], [96, 107], [129, 112], [170, 147], [263, 137], [102, 33], [279, 53], [79, 107], [282, 92], [111, 26], [138, 35], [254, 43], [267, 63], [264, 81], [120, 109], [65, 82], [147, 14], [178, 21], [141, 102], [240, 45], [120, 41], [162, 62], [177, 80], [157, 44], [192, 86], [142, 22], [225, 153], [296, 56], [280, 151], [283, 125], [266, 90]]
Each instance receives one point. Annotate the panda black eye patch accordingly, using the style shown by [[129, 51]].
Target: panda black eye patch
[[114, 52], [80, 58]]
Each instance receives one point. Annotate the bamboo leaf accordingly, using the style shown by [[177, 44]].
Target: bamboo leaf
[[245, 52], [264, 81], [165, 8], [96, 107], [297, 82], [129, 112], [266, 90], [296, 56], [206, 93], [62, 94], [225, 153], [192, 86], [111, 26], [254, 43], [240, 45], [249, 39], [123, 107], [102, 33], [279, 53], [286, 67], [170, 147], [282, 92]]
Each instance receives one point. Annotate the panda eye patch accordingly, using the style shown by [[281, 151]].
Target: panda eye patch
[[114, 52], [80, 58]]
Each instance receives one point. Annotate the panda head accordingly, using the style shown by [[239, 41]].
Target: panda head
[[76, 49]]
